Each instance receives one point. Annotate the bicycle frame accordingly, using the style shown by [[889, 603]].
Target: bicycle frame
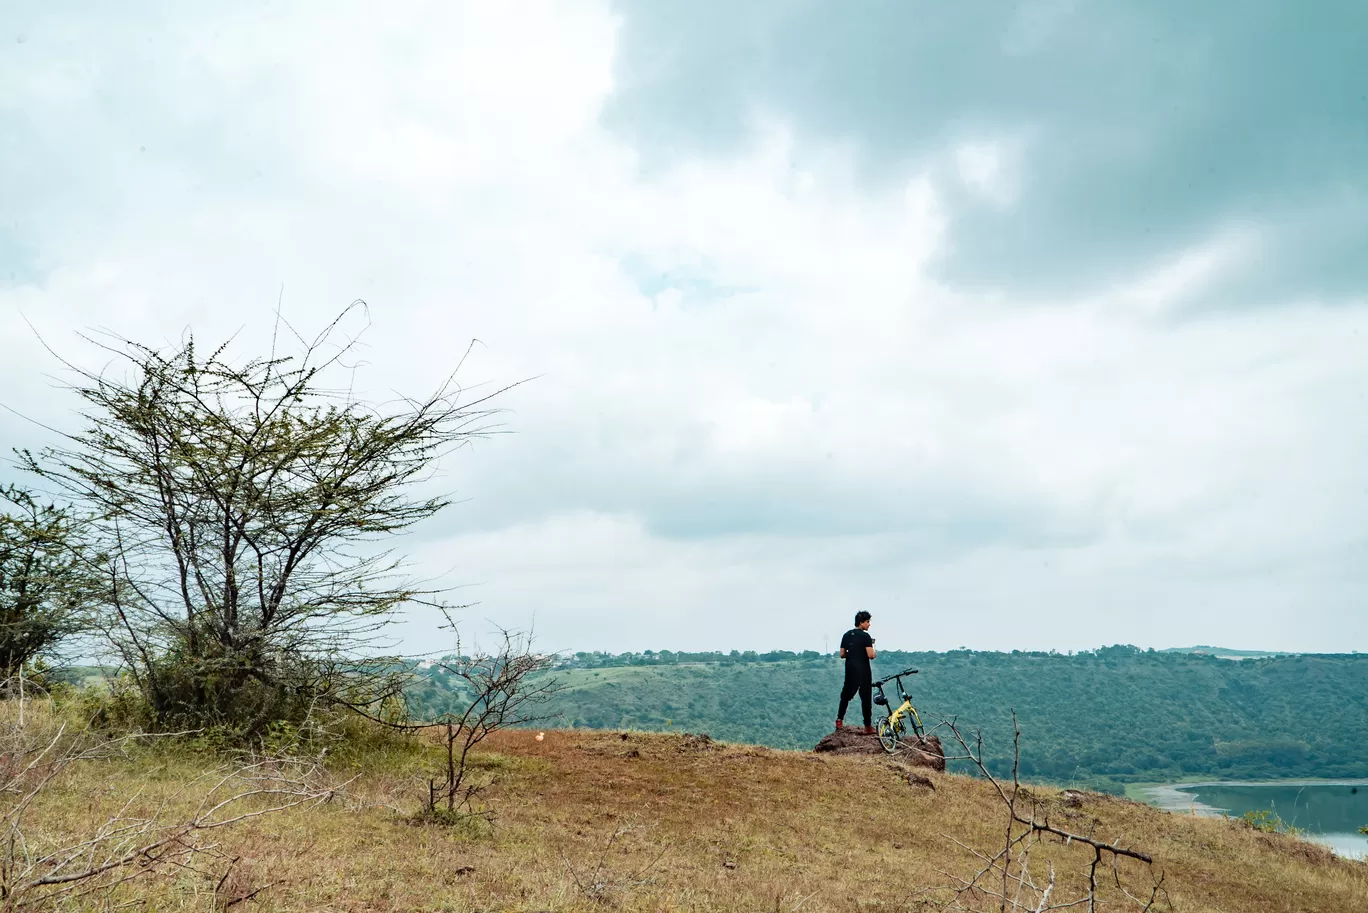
[[906, 709]]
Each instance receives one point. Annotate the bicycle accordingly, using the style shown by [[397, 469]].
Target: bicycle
[[893, 726]]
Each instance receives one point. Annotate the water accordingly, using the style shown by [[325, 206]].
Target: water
[[1331, 812]]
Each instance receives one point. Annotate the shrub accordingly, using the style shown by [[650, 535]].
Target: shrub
[[115, 705], [1268, 822]]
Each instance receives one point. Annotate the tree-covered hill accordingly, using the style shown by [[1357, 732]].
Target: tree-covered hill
[[1101, 717]]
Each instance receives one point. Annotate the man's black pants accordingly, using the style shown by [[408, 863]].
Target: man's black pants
[[866, 688]]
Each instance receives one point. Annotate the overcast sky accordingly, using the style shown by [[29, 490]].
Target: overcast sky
[[1021, 325]]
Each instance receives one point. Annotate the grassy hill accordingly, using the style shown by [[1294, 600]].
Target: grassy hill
[[598, 821], [1101, 718]]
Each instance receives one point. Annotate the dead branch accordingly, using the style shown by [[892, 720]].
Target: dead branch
[[603, 883], [1005, 881], [132, 842]]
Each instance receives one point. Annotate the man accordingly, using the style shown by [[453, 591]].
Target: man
[[857, 649]]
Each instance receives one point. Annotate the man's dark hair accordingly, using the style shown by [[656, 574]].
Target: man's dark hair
[[861, 617]]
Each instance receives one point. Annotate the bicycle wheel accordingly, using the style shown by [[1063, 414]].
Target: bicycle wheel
[[889, 735]]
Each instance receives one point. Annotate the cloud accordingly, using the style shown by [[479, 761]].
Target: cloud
[[1143, 128], [811, 331]]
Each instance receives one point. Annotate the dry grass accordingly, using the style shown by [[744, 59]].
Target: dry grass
[[698, 826]]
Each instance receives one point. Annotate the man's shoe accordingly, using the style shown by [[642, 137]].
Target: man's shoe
[[869, 730], [840, 724]]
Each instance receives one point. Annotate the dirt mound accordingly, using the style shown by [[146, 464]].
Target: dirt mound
[[919, 752], [698, 742]]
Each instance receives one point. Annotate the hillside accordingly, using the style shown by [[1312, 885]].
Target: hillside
[[700, 826], [1102, 718]]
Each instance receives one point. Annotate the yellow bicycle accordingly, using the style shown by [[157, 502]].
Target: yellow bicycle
[[894, 726]]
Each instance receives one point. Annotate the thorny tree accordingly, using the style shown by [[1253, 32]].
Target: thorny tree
[[241, 503], [46, 588], [1006, 882]]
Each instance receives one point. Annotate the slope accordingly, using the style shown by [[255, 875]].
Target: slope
[[594, 821]]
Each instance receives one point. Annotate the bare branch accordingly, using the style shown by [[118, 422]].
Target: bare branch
[[1013, 888], [491, 691], [130, 843]]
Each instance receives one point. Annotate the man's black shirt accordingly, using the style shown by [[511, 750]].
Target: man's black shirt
[[854, 643]]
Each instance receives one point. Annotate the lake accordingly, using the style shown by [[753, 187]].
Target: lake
[[1330, 811]]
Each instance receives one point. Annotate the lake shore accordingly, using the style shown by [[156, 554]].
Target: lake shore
[[1180, 797], [1170, 791]]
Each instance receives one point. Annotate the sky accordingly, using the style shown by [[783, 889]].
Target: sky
[[1019, 325]]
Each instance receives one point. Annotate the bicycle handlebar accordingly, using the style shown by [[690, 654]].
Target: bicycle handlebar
[[884, 681]]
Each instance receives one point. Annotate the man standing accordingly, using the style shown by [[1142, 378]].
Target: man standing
[[857, 649]]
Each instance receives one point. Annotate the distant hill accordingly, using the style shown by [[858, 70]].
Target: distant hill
[[1102, 718], [81, 675], [1226, 653]]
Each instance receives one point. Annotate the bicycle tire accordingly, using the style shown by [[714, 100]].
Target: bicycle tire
[[889, 736]]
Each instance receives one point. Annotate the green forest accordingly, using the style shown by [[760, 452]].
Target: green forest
[[1099, 718]]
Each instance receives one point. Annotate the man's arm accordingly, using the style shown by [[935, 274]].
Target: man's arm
[[843, 653], [869, 650]]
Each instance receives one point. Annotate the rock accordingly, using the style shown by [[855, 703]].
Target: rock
[[909, 776], [919, 780], [920, 752]]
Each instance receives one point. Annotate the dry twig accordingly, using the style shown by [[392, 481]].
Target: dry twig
[[603, 884], [1005, 882], [37, 871]]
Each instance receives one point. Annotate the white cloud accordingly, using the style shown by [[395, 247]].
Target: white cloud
[[1193, 271], [990, 170], [757, 411]]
